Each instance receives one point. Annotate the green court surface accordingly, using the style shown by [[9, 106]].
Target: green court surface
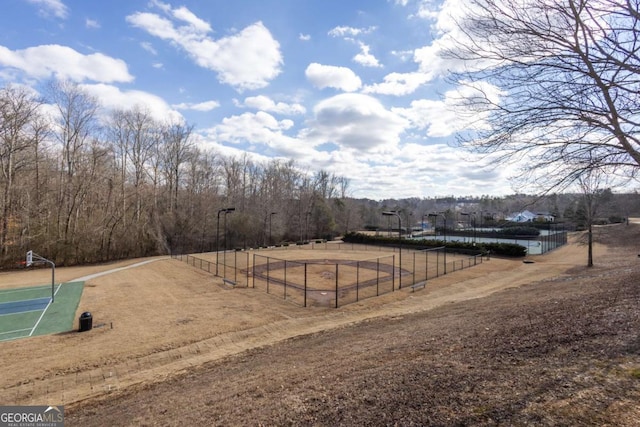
[[26, 312]]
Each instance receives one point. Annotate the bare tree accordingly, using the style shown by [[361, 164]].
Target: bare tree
[[177, 146], [134, 132], [75, 129], [18, 110], [555, 83], [594, 194]]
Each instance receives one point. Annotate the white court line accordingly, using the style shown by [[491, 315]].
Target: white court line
[[80, 279], [20, 312], [29, 289], [17, 330], [12, 332], [45, 310]]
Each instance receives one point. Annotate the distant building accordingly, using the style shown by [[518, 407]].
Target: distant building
[[528, 216]]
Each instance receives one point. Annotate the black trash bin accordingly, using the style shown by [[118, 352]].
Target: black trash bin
[[86, 321]]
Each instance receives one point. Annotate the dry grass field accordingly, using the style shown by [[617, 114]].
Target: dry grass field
[[504, 342]]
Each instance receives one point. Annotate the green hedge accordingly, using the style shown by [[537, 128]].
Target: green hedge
[[500, 249], [520, 231]]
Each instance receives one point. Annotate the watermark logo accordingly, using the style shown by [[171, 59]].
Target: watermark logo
[[31, 416]]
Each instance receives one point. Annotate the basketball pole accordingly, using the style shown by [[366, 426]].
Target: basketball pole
[[31, 256]]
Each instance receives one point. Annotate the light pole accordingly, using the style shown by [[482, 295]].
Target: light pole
[[270, 216], [395, 213], [444, 230], [306, 226], [225, 211], [467, 214], [423, 215], [444, 217]]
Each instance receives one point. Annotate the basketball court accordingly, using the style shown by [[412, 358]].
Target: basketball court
[[38, 310]]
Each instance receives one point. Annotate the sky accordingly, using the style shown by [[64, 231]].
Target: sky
[[356, 88]]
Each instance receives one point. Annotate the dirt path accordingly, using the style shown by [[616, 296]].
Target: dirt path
[[157, 320]]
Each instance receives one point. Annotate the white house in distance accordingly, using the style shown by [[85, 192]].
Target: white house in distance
[[528, 216]]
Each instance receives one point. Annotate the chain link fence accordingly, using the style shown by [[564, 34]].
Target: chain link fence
[[332, 277]]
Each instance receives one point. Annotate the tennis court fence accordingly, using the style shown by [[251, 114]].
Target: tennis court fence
[[331, 282]]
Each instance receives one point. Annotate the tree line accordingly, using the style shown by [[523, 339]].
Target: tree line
[[80, 184]]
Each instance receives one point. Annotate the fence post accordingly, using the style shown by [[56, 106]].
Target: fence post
[[305, 284], [426, 265], [414, 268], [268, 259], [393, 273], [444, 252], [337, 285], [357, 280], [285, 279], [378, 277]]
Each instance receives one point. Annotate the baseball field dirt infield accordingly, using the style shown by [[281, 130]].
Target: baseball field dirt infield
[[548, 342]]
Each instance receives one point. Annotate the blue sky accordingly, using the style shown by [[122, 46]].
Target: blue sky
[[352, 87]]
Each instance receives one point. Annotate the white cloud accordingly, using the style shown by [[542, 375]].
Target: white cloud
[[91, 23], [51, 7], [149, 48], [427, 9], [200, 106], [265, 103], [398, 84], [323, 76], [155, 25], [461, 108], [112, 98], [415, 169], [431, 61], [365, 58], [264, 130], [248, 59], [404, 55], [357, 122], [165, 7], [252, 127], [65, 63], [304, 37], [184, 14], [343, 31]]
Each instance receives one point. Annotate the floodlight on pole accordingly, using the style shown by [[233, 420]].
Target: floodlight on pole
[[395, 213], [225, 211]]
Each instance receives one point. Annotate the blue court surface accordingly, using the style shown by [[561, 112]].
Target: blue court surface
[[24, 306]]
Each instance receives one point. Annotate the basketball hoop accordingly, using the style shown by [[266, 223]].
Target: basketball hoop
[[29, 262]]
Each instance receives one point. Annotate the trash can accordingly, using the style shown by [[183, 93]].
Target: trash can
[[86, 321]]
